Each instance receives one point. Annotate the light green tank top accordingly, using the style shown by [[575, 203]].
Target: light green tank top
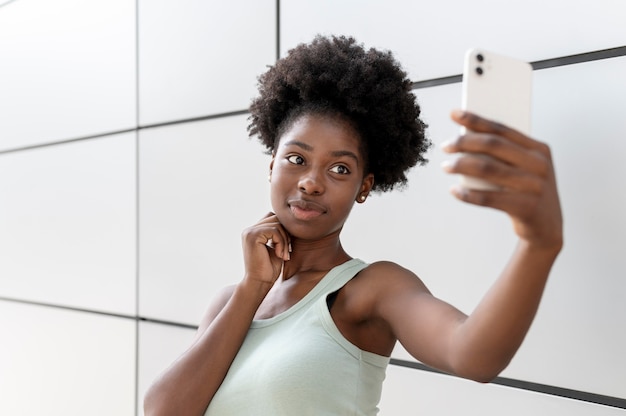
[[298, 363]]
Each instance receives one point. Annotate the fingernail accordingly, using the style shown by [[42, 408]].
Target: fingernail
[[447, 165], [459, 191], [458, 113], [449, 145]]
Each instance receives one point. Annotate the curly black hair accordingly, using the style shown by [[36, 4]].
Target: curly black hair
[[336, 76]]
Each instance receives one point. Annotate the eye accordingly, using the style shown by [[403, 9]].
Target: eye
[[340, 169], [295, 159]]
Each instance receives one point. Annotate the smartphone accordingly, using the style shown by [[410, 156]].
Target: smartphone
[[499, 88]]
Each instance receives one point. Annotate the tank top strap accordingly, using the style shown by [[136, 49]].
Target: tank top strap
[[347, 271]]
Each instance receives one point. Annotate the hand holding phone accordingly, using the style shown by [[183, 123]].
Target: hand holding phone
[[497, 92], [498, 88]]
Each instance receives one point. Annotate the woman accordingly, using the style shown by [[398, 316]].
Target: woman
[[309, 329]]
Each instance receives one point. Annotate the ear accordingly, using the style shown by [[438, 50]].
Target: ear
[[366, 188], [269, 177]]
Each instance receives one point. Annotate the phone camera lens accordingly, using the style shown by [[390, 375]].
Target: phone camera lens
[[479, 70], [480, 57]]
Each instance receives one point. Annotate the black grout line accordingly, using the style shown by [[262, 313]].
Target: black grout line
[[537, 65], [193, 119], [277, 30], [168, 323], [609, 401], [514, 383], [137, 193], [453, 79], [580, 58], [67, 308], [7, 3], [434, 82], [66, 141], [129, 130], [137, 398], [97, 312], [584, 396]]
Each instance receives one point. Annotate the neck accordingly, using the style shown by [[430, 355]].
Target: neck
[[312, 256]]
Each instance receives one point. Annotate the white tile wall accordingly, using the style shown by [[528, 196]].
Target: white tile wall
[[200, 185], [459, 250], [159, 346], [589, 149], [67, 70], [410, 392], [68, 213], [429, 38], [56, 362], [67, 224], [198, 57]]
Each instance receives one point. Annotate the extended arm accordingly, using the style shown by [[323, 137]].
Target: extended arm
[[479, 346]]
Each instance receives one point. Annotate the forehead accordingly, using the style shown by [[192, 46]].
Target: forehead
[[322, 131]]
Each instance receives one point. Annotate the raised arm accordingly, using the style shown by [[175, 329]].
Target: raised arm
[[189, 384], [480, 345]]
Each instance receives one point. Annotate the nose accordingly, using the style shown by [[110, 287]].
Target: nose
[[311, 183]]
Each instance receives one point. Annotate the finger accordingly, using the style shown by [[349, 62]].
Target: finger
[[480, 124], [267, 217], [276, 237], [535, 217], [516, 204], [501, 174], [499, 148], [270, 236]]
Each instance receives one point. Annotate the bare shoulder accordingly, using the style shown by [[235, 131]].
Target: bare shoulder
[[387, 275], [380, 284]]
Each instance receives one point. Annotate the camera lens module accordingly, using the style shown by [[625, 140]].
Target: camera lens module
[[479, 70], [480, 57]]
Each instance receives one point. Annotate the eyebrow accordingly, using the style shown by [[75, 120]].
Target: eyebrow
[[336, 153]]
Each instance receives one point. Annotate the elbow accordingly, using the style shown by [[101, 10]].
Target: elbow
[[482, 371], [160, 402], [480, 375], [154, 404], [484, 377], [149, 404]]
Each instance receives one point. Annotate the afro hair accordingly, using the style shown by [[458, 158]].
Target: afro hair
[[336, 76]]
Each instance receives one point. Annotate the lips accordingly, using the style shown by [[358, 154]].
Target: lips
[[306, 210]]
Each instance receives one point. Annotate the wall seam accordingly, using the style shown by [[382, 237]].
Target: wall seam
[[592, 56], [578, 395], [137, 201], [277, 30]]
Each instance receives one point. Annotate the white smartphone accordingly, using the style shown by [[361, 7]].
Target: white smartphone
[[499, 88]]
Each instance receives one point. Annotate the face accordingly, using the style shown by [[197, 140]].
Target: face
[[317, 175]]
